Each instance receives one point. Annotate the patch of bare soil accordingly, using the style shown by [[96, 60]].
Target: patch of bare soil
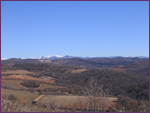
[[78, 71]]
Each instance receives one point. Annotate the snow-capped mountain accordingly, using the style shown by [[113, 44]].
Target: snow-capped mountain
[[67, 56], [4, 59], [55, 57]]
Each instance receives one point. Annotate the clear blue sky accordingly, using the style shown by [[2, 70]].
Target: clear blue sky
[[76, 28]]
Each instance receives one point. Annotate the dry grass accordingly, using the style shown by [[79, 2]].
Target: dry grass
[[78, 71], [23, 77], [70, 101], [23, 96], [13, 84], [20, 72], [16, 84], [15, 106]]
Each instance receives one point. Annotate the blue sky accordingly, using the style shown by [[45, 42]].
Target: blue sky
[[76, 28]]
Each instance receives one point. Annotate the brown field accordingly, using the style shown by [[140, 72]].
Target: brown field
[[47, 78], [13, 83], [19, 72], [23, 96], [78, 71], [16, 84], [23, 77], [66, 101]]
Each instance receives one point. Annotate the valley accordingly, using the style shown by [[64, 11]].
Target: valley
[[65, 84]]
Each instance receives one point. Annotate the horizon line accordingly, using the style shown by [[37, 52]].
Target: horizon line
[[77, 57]]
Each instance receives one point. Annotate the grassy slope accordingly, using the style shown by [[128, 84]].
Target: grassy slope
[[23, 77], [69, 101], [20, 72], [24, 96], [13, 83], [16, 84]]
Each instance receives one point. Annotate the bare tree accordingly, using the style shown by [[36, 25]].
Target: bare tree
[[95, 97], [52, 104], [145, 106]]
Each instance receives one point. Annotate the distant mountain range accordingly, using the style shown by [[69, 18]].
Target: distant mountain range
[[60, 57], [86, 62], [67, 57], [55, 57]]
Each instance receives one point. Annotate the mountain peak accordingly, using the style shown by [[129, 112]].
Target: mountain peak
[[4, 59], [54, 57]]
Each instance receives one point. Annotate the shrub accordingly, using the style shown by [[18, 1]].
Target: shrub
[[128, 103], [32, 90], [31, 83], [12, 97]]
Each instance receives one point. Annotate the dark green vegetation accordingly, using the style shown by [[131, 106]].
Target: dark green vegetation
[[30, 83], [124, 78]]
